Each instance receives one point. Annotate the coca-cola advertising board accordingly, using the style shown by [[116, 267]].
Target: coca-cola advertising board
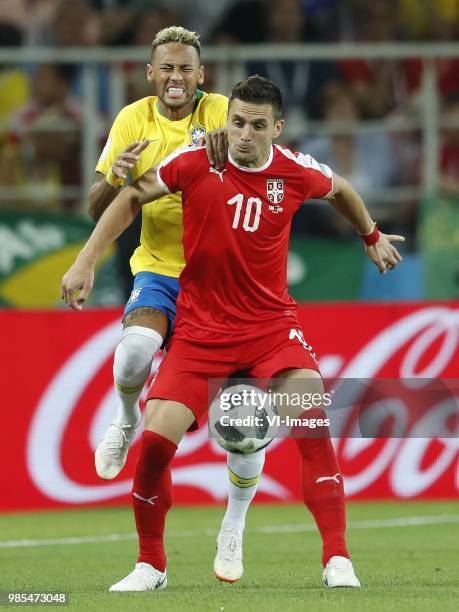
[[58, 398]]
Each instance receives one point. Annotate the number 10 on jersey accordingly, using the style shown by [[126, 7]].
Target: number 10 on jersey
[[252, 212]]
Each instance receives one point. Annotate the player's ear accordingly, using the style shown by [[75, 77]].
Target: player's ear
[[201, 75], [278, 128], [149, 73]]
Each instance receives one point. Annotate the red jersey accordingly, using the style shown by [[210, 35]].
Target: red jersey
[[236, 227]]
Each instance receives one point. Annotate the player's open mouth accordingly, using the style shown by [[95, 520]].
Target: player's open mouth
[[175, 92]]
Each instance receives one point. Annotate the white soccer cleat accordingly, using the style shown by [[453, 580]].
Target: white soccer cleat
[[339, 573], [228, 561], [112, 451], [144, 578]]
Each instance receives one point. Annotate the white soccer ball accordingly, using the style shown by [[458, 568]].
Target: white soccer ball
[[242, 419]]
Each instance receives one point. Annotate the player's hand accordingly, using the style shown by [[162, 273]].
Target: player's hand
[[216, 143], [383, 254], [128, 158], [77, 284]]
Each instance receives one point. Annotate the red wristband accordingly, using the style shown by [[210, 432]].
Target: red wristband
[[372, 237]]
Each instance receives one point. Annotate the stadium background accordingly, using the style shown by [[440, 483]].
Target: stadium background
[[371, 88]]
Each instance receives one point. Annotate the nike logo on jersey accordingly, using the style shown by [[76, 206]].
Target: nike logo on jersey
[[148, 500], [324, 478], [213, 170]]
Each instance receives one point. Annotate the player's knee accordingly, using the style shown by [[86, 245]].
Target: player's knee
[[138, 349], [168, 418], [133, 354]]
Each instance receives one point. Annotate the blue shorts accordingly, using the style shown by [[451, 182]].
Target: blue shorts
[[154, 291]]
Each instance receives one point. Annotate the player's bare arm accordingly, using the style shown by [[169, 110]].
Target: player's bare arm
[[105, 189], [100, 196], [348, 203], [216, 143], [78, 280]]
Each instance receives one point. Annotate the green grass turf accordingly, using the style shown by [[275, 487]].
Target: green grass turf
[[401, 568]]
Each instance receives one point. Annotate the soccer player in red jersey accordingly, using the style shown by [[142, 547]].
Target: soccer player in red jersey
[[233, 312]]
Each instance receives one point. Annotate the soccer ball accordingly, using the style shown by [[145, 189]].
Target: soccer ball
[[242, 420]]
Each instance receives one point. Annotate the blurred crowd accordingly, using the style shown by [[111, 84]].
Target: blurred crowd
[[41, 106], [127, 22]]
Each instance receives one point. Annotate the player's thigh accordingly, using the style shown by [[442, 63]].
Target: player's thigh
[[152, 302], [306, 376], [168, 418], [147, 316], [297, 386]]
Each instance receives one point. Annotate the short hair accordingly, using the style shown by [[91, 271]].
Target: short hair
[[258, 90], [176, 34]]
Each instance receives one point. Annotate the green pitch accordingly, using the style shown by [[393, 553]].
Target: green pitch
[[406, 556]]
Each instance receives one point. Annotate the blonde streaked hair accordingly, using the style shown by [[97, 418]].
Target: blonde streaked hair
[[176, 34]]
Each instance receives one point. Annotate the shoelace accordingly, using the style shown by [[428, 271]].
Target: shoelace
[[231, 545], [117, 437]]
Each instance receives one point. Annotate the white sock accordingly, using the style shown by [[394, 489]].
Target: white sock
[[244, 473], [131, 368]]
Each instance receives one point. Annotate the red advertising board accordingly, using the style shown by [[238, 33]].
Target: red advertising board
[[57, 399]]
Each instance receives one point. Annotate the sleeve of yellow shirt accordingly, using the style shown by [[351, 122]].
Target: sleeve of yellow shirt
[[220, 112], [121, 135]]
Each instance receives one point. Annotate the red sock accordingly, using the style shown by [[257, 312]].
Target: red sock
[[324, 499], [152, 496]]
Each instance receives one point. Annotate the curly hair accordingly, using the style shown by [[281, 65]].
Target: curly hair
[[176, 34]]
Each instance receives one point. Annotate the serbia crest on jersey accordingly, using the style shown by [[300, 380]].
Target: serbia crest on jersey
[[236, 231], [275, 191]]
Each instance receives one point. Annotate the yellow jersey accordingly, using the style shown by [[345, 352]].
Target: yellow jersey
[[160, 249]]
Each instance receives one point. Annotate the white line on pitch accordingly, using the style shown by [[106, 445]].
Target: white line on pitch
[[406, 521]]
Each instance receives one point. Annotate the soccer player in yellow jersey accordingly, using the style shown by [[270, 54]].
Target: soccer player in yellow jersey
[[179, 114]]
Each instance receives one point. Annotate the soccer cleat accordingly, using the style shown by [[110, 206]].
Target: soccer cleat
[[144, 578], [339, 573], [228, 561], [112, 451]]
